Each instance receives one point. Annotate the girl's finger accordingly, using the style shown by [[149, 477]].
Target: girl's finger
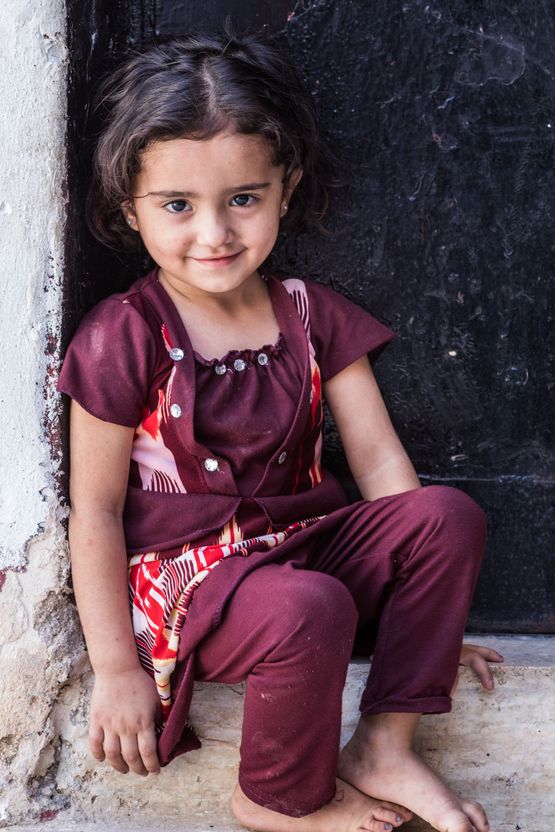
[[147, 750], [493, 656], [131, 755], [487, 652], [482, 671], [112, 750], [96, 743]]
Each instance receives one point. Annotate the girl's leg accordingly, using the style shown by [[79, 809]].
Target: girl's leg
[[411, 562], [290, 633]]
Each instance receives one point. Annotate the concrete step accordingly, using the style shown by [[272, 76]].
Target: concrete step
[[496, 748]]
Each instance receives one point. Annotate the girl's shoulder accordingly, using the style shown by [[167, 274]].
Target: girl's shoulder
[[137, 298], [112, 356], [324, 301], [339, 329], [122, 322], [320, 293]]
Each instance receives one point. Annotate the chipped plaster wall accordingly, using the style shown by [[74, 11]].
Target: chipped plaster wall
[[37, 624]]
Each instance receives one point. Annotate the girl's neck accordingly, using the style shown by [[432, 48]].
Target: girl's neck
[[226, 305], [215, 325]]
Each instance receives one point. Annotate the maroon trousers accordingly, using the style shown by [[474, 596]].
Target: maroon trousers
[[402, 570]]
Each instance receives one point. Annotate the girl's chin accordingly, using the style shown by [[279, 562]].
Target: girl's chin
[[211, 282]]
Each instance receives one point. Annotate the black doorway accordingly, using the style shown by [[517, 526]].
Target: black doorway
[[446, 232]]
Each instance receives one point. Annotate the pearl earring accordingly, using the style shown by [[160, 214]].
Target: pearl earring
[[284, 207]]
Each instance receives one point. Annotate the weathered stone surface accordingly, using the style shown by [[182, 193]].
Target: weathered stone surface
[[37, 626], [14, 615], [35, 668], [496, 748], [32, 213], [56, 826]]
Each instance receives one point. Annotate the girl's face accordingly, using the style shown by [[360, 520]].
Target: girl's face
[[208, 211]]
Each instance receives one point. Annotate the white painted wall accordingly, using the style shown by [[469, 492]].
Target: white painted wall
[[36, 623]]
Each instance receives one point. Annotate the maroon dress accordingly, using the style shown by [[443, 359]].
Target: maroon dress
[[225, 470]]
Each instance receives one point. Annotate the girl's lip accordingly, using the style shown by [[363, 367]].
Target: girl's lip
[[218, 260]]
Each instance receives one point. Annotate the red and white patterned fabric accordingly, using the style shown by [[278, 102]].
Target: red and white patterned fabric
[[161, 588]]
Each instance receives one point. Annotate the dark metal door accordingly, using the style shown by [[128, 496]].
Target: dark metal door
[[445, 112]]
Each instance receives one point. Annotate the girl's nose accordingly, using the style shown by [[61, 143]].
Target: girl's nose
[[213, 230]]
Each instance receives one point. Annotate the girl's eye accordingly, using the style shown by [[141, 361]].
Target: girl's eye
[[246, 196], [176, 207]]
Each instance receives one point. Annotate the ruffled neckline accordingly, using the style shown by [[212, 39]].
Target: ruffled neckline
[[248, 355]]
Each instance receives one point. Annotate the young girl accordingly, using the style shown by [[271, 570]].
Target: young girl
[[197, 491]]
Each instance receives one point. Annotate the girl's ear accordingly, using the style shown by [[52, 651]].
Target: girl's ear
[[129, 214], [292, 183], [294, 180]]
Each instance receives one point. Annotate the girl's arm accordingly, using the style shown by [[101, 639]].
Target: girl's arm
[[125, 702], [377, 460]]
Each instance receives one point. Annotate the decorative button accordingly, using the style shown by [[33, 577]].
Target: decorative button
[[239, 365], [282, 457], [176, 354], [175, 410], [211, 464], [221, 369], [262, 358]]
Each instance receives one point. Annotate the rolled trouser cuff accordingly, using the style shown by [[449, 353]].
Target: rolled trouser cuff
[[423, 705], [292, 809]]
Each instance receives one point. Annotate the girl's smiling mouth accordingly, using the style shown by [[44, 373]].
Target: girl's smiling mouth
[[217, 261]]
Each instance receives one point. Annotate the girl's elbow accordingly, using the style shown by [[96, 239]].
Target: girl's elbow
[[86, 511]]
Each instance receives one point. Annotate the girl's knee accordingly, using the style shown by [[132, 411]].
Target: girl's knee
[[445, 500], [450, 529], [318, 602], [455, 511]]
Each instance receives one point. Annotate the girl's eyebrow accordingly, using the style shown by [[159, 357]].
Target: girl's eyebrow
[[250, 186]]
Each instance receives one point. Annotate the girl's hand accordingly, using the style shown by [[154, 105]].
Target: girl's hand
[[124, 709], [477, 657]]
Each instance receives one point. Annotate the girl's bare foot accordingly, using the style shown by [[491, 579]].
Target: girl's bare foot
[[348, 811], [400, 774]]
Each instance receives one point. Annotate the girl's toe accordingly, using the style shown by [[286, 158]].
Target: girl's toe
[[387, 816], [476, 814], [456, 820], [379, 826], [400, 811]]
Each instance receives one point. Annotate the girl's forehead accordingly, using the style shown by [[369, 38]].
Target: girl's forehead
[[223, 156]]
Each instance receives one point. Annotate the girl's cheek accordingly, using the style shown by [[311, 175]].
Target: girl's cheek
[[270, 219], [167, 235]]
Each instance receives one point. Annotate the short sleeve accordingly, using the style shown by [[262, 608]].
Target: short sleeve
[[109, 363], [341, 331]]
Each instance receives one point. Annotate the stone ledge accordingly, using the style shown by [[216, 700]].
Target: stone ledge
[[497, 748], [75, 826], [115, 827]]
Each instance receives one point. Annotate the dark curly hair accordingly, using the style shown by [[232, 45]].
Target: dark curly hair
[[195, 87]]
